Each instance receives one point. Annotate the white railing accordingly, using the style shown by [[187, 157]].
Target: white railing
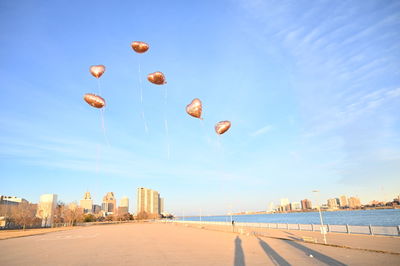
[[346, 229]]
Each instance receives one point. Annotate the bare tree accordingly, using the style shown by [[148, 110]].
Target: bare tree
[[73, 214], [23, 214], [59, 213]]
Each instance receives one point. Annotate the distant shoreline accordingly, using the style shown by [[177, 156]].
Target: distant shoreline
[[301, 211]]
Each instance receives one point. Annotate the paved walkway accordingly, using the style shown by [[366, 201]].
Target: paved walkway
[[356, 241], [167, 244]]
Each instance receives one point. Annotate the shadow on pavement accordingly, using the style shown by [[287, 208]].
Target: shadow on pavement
[[239, 255], [272, 254], [290, 233], [319, 256]]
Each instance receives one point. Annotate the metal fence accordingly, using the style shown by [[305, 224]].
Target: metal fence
[[346, 229]]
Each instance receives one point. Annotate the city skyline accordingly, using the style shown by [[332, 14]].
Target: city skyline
[[281, 205], [312, 90]]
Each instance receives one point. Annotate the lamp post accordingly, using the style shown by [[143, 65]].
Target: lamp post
[[323, 232], [231, 212]]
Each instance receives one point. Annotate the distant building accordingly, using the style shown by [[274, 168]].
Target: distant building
[[343, 201], [285, 204], [11, 200], [306, 204], [284, 201], [332, 204], [123, 205], [96, 209], [46, 209], [148, 201], [86, 203], [295, 206], [271, 207], [161, 204], [109, 204], [354, 203]]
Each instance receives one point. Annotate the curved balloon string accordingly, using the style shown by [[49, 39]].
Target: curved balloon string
[[140, 83], [167, 133], [166, 122], [104, 127], [97, 159], [146, 129]]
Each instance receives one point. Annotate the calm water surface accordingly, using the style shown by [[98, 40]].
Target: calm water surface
[[389, 217]]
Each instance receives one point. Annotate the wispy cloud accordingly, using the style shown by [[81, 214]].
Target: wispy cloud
[[261, 131]]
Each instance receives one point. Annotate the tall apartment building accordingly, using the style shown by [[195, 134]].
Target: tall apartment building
[[123, 205], [343, 201], [86, 203], [354, 202], [109, 204], [46, 209], [306, 204], [148, 201]]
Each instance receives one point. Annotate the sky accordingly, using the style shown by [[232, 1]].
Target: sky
[[312, 89]]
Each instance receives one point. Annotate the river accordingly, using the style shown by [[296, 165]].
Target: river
[[386, 217]]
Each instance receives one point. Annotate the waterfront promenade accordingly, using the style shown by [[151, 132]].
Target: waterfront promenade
[[169, 244]]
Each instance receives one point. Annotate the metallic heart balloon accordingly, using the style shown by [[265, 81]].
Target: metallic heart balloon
[[194, 108], [94, 100], [157, 78], [139, 47], [222, 127], [97, 70]]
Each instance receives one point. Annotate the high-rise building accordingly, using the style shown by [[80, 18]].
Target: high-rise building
[[148, 201], [306, 204], [354, 202], [109, 204], [96, 208], [332, 204], [343, 201], [86, 203], [123, 205], [46, 209]]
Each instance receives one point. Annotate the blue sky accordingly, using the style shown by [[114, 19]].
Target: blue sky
[[312, 89]]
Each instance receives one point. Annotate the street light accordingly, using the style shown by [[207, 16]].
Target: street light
[[320, 217]]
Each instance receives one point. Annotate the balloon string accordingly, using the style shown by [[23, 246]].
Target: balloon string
[[166, 122], [168, 144], [140, 83], [146, 129], [104, 127], [97, 159]]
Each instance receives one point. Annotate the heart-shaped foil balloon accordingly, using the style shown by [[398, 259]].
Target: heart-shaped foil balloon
[[94, 100], [97, 70], [194, 108], [222, 127], [140, 47], [157, 78]]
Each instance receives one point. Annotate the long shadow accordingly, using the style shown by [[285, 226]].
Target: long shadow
[[319, 256], [239, 255], [272, 254]]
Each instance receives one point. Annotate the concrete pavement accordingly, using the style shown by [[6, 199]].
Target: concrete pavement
[[168, 244]]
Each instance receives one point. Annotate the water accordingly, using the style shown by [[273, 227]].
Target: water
[[387, 217]]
